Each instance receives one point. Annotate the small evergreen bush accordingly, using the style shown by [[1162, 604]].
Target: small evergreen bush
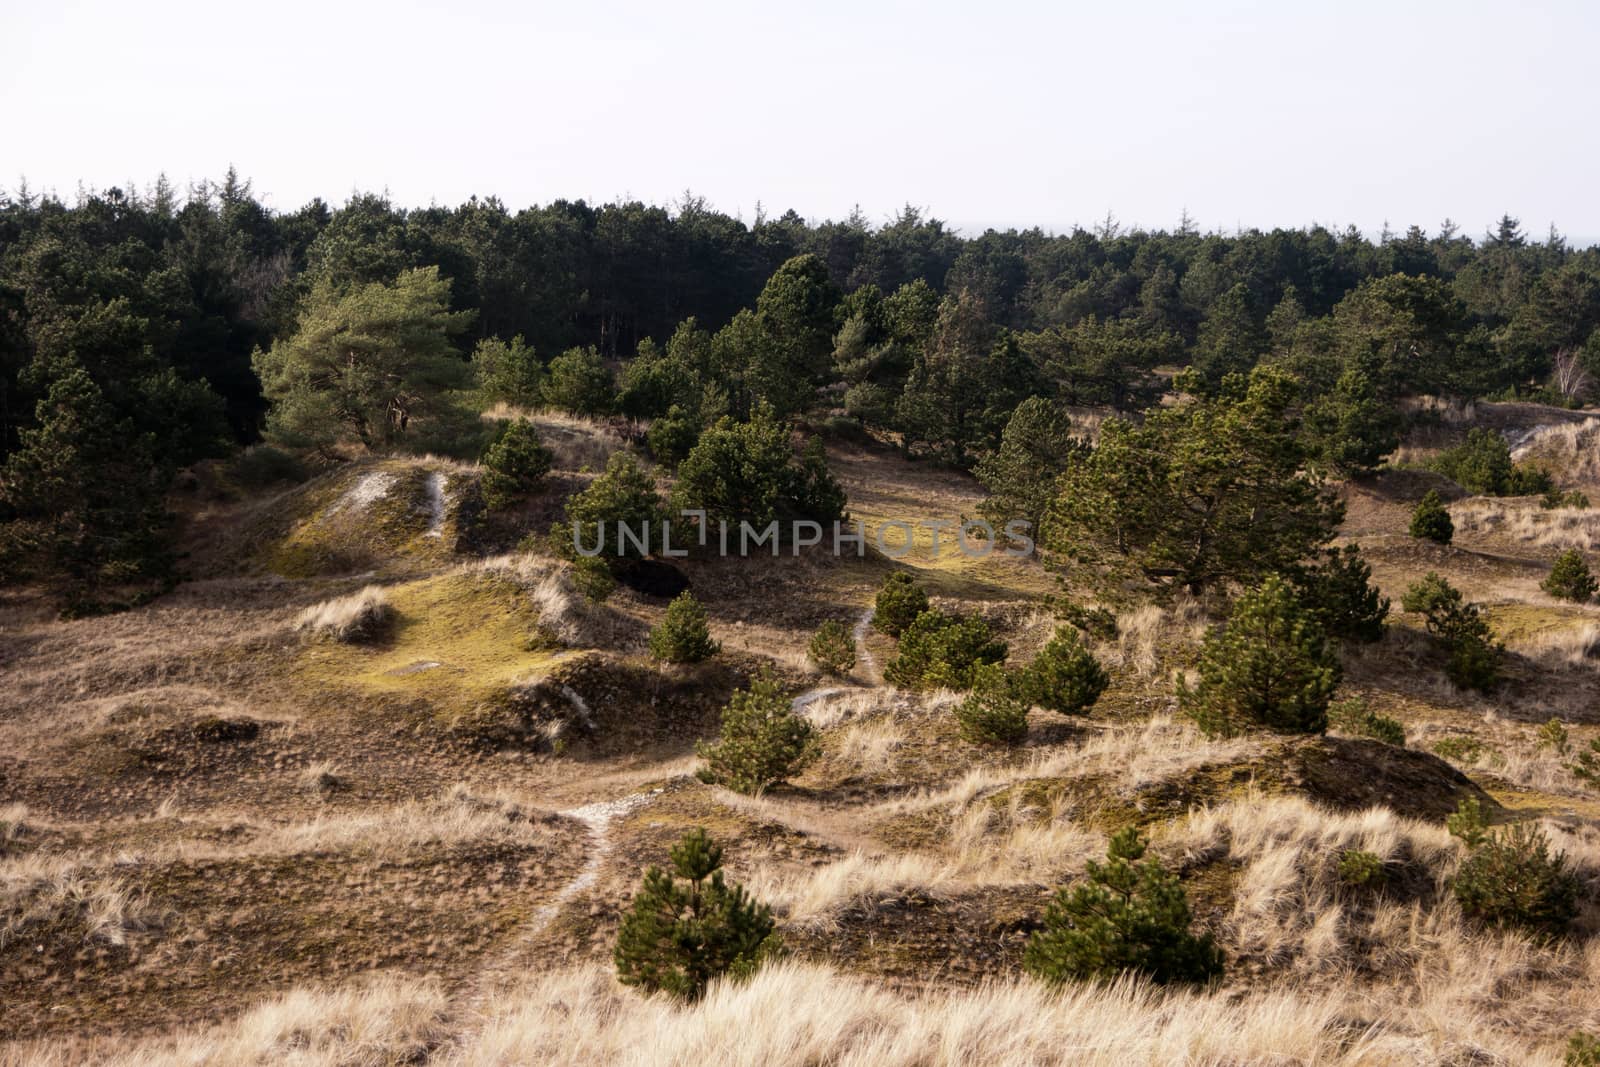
[[688, 926], [1459, 749], [1064, 676], [1431, 520], [1473, 656], [1582, 1051], [900, 601], [1587, 767], [833, 648], [1555, 736], [763, 742], [1097, 622], [682, 635], [1354, 717], [1130, 917], [1570, 578], [1362, 870], [1510, 878], [939, 650], [673, 435], [1555, 498], [1270, 665], [992, 714], [514, 465]]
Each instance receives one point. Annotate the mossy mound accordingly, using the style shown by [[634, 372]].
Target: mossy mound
[[367, 515], [456, 641]]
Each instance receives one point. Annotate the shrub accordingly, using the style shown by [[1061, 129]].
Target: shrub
[[1354, 717], [1360, 869], [579, 382], [1096, 622], [1130, 917], [624, 494], [763, 742], [1473, 656], [1459, 749], [262, 465], [592, 577], [358, 617], [1555, 498], [1468, 824], [514, 465], [900, 601], [992, 713], [1511, 879], [1570, 578], [1431, 520], [1582, 1051], [1270, 666], [1555, 736], [1587, 767], [833, 648], [682, 635], [1483, 465], [688, 926], [673, 435], [1341, 597], [942, 650], [1064, 676]]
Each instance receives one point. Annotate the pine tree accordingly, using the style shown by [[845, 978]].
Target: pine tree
[[1064, 676], [1340, 594], [1130, 917], [943, 651], [1431, 520], [1570, 578], [900, 600], [579, 382], [672, 436], [514, 465], [833, 648], [1270, 665], [1510, 878], [763, 742], [1473, 654], [625, 494], [1351, 429], [689, 926], [992, 713], [1020, 475], [682, 635], [508, 371]]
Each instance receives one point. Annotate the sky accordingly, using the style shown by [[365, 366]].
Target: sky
[[987, 113]]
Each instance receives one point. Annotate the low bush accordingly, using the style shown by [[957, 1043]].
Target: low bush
[[1473, 656], [1570, 578], [683, 635], [833, 648], [688, 926], [1510, 878], [1064, 676], [1362, 870], [1354, 717], [514, 465], [939, 650], [900, 601], [763, 742], [992, 714], [1431, 520], [1128, 918]]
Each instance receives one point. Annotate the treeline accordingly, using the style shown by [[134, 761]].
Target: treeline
[[142, 332]]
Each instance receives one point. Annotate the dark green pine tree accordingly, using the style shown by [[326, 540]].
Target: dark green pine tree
[[1064, 676], [1570, 578], [683, 636], [763, 742], [1270, 666], [688, 926], [1431, 520], [1340, 594], [1130, 917], [81, 499], [514, 465], [900, 601]]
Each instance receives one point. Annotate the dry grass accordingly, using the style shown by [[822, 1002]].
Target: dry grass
[[1525, 522], [357, 617], [1146, 634], [40, 891], [1571, 449], [578, 443]]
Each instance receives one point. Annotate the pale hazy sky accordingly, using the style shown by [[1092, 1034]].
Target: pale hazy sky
[[987, 112]]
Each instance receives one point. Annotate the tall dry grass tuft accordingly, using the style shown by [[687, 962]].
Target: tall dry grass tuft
[[1525, 521], [357, 617], [1572, 449]]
